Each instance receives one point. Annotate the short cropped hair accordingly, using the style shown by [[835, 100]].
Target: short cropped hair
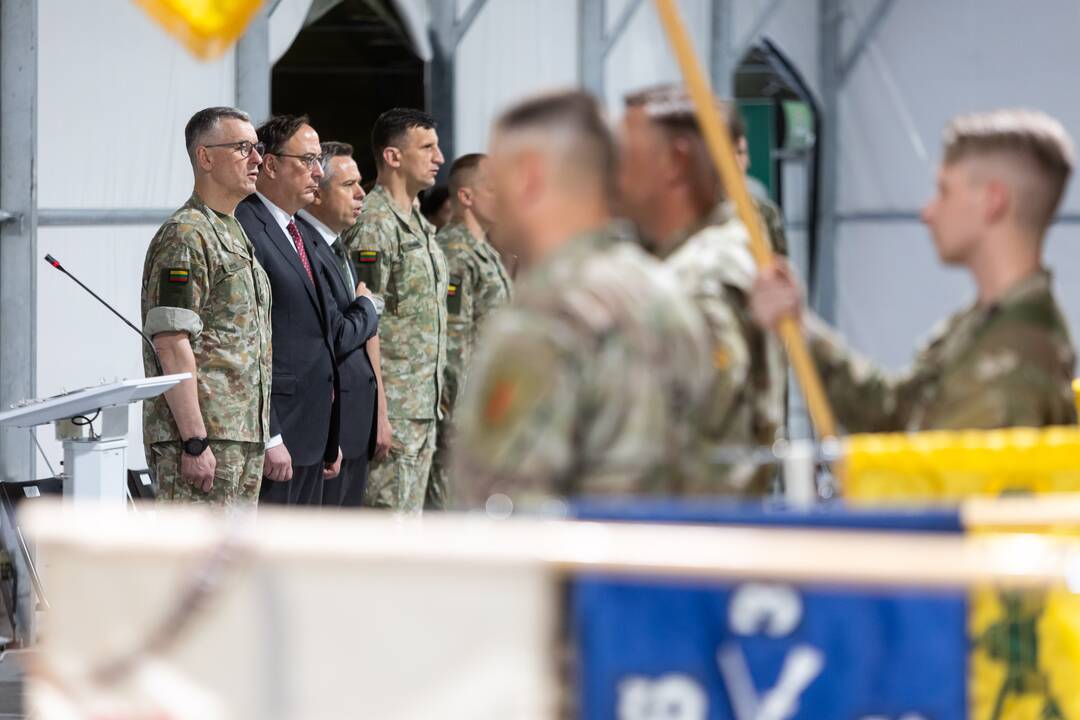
[[330, 150], [1033, 139], [277, 131], [576, 117], [463, 170], [391, 126], [204, 122]]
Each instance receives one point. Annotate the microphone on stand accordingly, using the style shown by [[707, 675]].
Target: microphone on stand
[[56, 264]]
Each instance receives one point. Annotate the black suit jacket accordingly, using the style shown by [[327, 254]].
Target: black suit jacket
[[303, 407], [359, 390]]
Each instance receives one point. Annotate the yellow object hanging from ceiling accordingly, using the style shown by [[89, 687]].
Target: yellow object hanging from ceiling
[[207, 28]]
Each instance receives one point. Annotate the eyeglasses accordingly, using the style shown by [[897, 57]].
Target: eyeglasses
[[308, 160], [243, 147]]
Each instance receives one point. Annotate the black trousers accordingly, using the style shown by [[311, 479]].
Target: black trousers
[[347, 489], [305, 488]]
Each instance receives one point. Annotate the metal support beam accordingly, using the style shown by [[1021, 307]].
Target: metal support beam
[[721, 43], [440, 77], [81, 217], [18, 242], [823, 293], [591, 44], [865, 36], [756, 29], [620, 25], [447, 33], [253, 67]]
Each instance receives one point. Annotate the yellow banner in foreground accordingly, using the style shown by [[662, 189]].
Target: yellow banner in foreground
[[952, 466], [207, 28]]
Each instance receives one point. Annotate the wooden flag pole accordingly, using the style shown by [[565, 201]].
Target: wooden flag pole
[[723, 155]]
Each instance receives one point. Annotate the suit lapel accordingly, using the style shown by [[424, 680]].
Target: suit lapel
[[284, 245]]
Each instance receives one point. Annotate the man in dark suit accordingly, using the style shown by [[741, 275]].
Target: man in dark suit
[[307, 325], [336, 207]]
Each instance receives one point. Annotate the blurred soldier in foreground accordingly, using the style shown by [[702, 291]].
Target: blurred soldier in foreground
[[673, 193], [397, 256], [478, 285], [584, 384], [1007, 359], [206, 304]]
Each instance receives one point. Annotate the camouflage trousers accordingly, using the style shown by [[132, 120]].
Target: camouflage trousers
[[236, 479], [438, 488], [399, 481]]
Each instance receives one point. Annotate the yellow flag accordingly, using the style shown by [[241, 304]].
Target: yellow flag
[[207, 28], [948, 466]]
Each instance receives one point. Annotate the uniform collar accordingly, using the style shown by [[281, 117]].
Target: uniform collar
[[381, 195]]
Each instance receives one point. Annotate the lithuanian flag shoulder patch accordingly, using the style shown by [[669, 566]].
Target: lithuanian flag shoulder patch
[[178, 276], [367, 256]]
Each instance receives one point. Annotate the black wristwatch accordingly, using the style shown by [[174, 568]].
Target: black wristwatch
[[196, 446]]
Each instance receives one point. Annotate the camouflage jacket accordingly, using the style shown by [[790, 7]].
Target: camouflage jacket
[[478, 284], [397, 256], [1003, 365], [583, 385], [774, 224], [201, 277], [745, 404]]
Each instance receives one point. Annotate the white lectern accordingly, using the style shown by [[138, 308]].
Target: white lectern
[[95, 466]]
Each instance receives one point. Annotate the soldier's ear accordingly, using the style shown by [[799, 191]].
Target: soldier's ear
[[202, 159], [464, 197], [682, 156], [391, 157]]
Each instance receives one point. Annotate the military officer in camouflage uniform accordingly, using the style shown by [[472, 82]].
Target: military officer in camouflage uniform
[[670, 189], [396, 255], [583, 385], [479, 284], [206, 305], [1007, 360]]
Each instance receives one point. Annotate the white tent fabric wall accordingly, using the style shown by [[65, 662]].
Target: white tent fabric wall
[[929, 61], [518, 47], [114, 95], [514, 48]]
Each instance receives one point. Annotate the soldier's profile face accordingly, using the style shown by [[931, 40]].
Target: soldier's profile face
[[641, 156], [511, 185], [954, 215], [483, 192], [231, 169], [420, 156]]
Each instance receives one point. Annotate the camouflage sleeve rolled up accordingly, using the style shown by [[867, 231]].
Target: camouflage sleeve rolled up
[[516, 419], [175, 281]]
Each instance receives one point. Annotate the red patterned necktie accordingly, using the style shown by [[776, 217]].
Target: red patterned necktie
[[299, 243]]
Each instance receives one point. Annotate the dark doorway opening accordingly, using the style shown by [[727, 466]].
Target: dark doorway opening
[[344, 69]]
